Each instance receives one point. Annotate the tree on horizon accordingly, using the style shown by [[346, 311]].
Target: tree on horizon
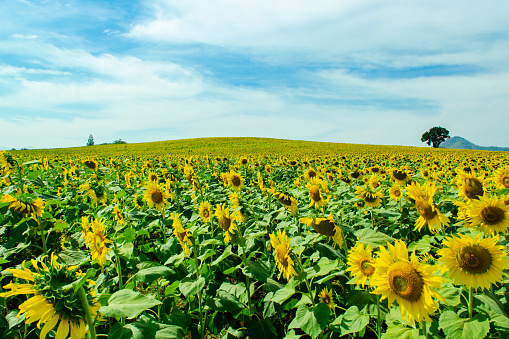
[[436, 135], [90, 140]]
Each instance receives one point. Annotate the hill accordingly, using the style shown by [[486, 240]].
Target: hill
[[462, 143]]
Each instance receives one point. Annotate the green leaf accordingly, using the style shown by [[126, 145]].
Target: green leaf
[[262, 329], [353, 321], [225, 302], [143, 328], [73, 258], [323, 267], [311, 320], [490, 303], [281, 295], [257, 270], [127, 303], [461, 328], [190, 287], [401, 332], [171, 332], [153, 273], [369, 236], [226, 253], [452, 295]]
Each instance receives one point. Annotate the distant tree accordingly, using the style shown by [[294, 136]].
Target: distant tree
[[119, 141], [90, 140], [435, 136]]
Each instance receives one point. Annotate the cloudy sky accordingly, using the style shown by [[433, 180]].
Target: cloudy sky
[[370, 72]]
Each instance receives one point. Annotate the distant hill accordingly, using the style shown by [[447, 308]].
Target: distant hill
[[462, 143]]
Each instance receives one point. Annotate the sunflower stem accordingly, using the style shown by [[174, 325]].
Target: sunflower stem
[[311, 296], [88, 314], [378, 319], [201, 322], [163, 227], [424, 329], [470, 302]]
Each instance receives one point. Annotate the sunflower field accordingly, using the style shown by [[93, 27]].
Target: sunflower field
[[253, 238]]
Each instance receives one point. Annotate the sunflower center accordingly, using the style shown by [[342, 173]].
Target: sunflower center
[[285, 200], [311, 174], [157, 197], [326, 299], [206, 213], [474, 259], [505, 181], [355, 174], [225, 224], [236, 181], [400, 175], [325, 227], [90, 164], [314, 192], [281, 254], [425, 210], [405, 281], [396, 193], [366, 267], [370, 197], [473, 188], [492, 215], [375, 184]]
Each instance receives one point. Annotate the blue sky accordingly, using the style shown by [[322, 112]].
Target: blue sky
[[370, 72]]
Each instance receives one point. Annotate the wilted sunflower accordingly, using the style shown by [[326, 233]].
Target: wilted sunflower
[[371, 199], [360, 263], [96, 239], [287, 201], [326, 297], [501, 177], [183, 235], [227, 221], [411, 283], [155, 195], [470, 186], [50, 304], [489, 213], [325, 226], [281, 245], [475, 262], [205, 212], [235, 181], [35, 208], [91, 164]]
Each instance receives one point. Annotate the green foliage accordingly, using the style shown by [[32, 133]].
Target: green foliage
[[436, 135], [90, 141]]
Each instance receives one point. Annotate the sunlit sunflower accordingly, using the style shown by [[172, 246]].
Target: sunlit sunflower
[[7, 162], [227, 221], [326, 297], [34, 209], [243, 161], [475, 262], [470, 186], [489, 213], [91, 164], [287, 201], [183, 235], [310, 173], [235, 181], [316, 199], [371, 199], [395, 192], [96, 239], [51, 304], [325, 226], [155, 195], [205, 212], [119, 215], [409, 282], [374, 181], [430, 215], [360, 263], [501, 177], [234, 199], [152, 176], [281, 245], [400, 176]]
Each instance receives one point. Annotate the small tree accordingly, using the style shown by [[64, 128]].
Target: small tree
[[435, 136], [90, 140]]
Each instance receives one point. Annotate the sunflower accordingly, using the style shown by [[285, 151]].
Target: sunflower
[[281, 245], [287, 201], [91, 164], [470, 186], [152, 176], [204, 211], [315, 196], [399, 176], [310, 173], [119, 215], [325, 297], [183, 235], [395, 192], [243, 161], [96, 239], [325, 226], [51, 304], [360, 263], [374, 181], [409, 282], [429, 214], [371, 199], [227, 221], [155, 195], [489, 213], [235, 180], [34, 209], [501, 177], [475, 262]]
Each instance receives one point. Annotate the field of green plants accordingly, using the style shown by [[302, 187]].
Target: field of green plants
[[253, 238]]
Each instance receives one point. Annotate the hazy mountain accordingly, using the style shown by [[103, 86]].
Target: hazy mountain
[[462, 143]]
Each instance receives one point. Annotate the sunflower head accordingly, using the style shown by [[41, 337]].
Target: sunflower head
[[470, 186], [489, 213], [281, 245], [91, 164], [326, 297], [155, 195], [235, 181], [205, 212], [360, 263]]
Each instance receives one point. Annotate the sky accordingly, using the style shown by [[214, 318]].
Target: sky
[[348, 71]]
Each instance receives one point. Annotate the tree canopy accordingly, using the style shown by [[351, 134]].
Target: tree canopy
[[436, 135], [90, 140]]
